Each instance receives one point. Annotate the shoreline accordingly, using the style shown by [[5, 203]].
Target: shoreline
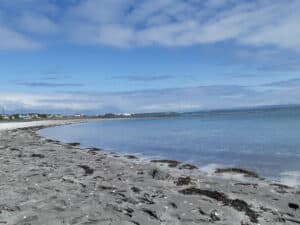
[[46, 182], [210, 169]]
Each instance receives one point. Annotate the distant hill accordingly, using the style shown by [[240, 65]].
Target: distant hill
[[248, 109]]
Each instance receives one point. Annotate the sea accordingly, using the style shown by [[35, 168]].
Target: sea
[[266, 141]]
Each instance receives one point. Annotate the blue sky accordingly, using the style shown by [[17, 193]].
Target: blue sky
[[96, 56]]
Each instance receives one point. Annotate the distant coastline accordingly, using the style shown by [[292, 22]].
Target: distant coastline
[[41, 116]]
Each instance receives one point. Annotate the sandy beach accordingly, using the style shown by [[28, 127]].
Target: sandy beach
[[51, 183]]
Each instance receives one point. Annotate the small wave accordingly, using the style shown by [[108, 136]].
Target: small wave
[[290, 178], [210, 169]]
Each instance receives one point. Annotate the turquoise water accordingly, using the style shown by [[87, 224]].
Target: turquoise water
[[267, 141]]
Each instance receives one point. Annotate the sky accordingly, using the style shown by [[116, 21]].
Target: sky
[[123, 56]]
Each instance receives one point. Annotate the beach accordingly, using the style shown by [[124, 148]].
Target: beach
[[46, 182]]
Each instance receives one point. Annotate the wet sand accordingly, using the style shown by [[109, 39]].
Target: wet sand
[[45, 182]]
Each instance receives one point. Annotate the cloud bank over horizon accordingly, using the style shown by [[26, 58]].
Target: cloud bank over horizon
[[174, 99]]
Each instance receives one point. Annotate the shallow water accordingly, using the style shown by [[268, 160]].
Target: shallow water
[[266, 141]]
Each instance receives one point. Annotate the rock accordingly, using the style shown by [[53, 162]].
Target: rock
[[188, 167], [41, 156], [281, 186], [102, 187], [93, 151], [74, 144], [214, 215], [237, 204], [173, 205], [293, 206], [88, 170], [208, 193], [201, 212], [183, 181], [171, 163], [159, 175], [246, 173], [136, 190], [131, 157], [151, 213], [293, 220]]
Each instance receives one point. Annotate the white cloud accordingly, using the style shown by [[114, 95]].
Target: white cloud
[[124, 23], [37, 23], [284, 34], [177, 23], [10, 39]]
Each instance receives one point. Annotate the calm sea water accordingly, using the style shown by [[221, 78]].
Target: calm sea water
[[267, 142]]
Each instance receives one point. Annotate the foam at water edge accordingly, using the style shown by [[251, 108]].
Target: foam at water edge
[[290, 178]]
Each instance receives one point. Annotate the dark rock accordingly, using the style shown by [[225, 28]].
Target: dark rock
[[98, 177], [183, 181], [243, 206], [93, 151], [136, 190], [151, 213], [102, 187], [293, 220], [188, 167], [211, 194], [37, 156], [171, 163], [281, 186], [173, 205], [52, 141], [201, 212], [293, 206], [88, 170], [237, 204], [128, 211], [246, 173], [74, 144], [82, 185], [131, 157], [159, 175]]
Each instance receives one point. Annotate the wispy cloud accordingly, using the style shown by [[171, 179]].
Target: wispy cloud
[[287, 83], [144, 78], [49, 84]]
